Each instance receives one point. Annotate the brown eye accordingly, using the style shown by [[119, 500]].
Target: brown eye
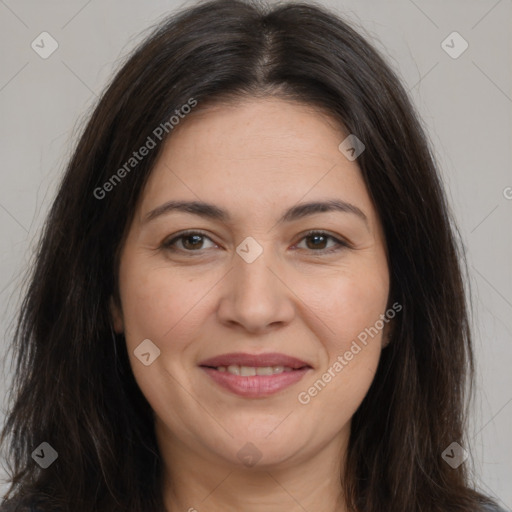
[[192, 241], [317, 241]]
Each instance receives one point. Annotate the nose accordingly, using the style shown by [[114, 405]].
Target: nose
[[255, 296]]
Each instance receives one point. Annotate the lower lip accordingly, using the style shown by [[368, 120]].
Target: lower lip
[[255, 386]]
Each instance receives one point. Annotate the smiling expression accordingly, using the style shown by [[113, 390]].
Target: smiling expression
[[235, 184]]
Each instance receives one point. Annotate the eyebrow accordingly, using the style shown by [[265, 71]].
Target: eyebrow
[[299, 211]]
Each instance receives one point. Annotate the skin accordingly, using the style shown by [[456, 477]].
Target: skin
[[254, 159]]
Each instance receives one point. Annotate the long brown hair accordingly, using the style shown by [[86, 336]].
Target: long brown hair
[[73, 385]]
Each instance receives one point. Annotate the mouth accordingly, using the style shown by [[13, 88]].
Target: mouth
[[255, 376], [249, 371]]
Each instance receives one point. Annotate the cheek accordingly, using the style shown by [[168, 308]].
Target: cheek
[[157, 303], [351, 309], [166, 308], [349, 304]]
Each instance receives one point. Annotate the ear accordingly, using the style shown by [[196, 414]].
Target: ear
[[116, 315]]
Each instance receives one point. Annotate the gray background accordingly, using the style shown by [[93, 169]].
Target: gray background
[[465, 104]]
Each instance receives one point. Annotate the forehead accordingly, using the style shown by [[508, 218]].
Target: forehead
[[255, 155], [263, 129]]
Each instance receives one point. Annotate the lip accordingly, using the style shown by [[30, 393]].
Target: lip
[[254, 360], [255, 386]]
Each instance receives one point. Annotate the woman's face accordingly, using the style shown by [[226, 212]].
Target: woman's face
[[251, 280]]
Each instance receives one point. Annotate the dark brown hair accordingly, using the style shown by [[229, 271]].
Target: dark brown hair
[[73, 385]]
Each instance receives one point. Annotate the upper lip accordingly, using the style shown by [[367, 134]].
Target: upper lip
[[254, 360]]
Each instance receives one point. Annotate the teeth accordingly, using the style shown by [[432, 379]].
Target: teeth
[[235, 370], [266, 370], [249, 371]]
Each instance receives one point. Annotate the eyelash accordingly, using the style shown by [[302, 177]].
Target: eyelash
[[340, 244]]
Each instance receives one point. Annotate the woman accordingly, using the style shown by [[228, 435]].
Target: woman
[[247, 294]]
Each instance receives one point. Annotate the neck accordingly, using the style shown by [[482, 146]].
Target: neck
[[200, 482]]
